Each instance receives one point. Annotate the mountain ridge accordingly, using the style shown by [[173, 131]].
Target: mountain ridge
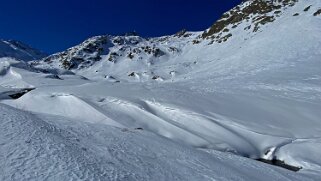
[[126, 56], [19, 50]]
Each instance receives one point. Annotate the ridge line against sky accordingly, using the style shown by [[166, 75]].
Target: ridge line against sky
[[54, 26]]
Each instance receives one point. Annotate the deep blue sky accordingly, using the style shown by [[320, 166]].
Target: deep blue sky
[[54, 25]]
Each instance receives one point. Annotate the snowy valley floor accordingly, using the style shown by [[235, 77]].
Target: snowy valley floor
[[80, 129], [42, 147]]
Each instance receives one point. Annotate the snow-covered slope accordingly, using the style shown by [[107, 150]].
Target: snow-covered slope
[[128, 57], [53, 148], [255, 93], [19, 50]]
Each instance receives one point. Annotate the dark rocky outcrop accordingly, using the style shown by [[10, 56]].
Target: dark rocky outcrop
[[317, 13], [280, 163], [256, 11]]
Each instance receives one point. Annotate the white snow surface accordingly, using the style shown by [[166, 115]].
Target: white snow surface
[[203, 112], [54, 148]]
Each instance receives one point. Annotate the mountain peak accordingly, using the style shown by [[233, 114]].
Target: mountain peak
[[19, 50]]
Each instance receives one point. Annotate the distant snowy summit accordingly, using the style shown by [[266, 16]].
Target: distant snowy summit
[[19, 50]]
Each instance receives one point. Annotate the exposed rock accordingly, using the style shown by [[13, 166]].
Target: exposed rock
[[280, 163], [307, 8], [257, 11], [20, 93], [132, 74], [317, 13], [180, 33], [82, 55]]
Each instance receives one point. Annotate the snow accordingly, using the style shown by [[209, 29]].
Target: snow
[[64, 105], [54, 148], [210, 123], [211, 110]]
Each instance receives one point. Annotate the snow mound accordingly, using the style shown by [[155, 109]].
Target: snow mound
[[62, 104], [9, 76]]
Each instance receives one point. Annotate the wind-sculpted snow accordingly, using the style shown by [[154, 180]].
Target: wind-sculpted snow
[[265, 127], [54, 148], [65, 105], [9, 76]]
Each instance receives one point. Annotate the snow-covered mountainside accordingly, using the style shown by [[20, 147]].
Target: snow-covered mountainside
[[19, 50], [125, 56], [191, 106], [51, 148], [273, 24]]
